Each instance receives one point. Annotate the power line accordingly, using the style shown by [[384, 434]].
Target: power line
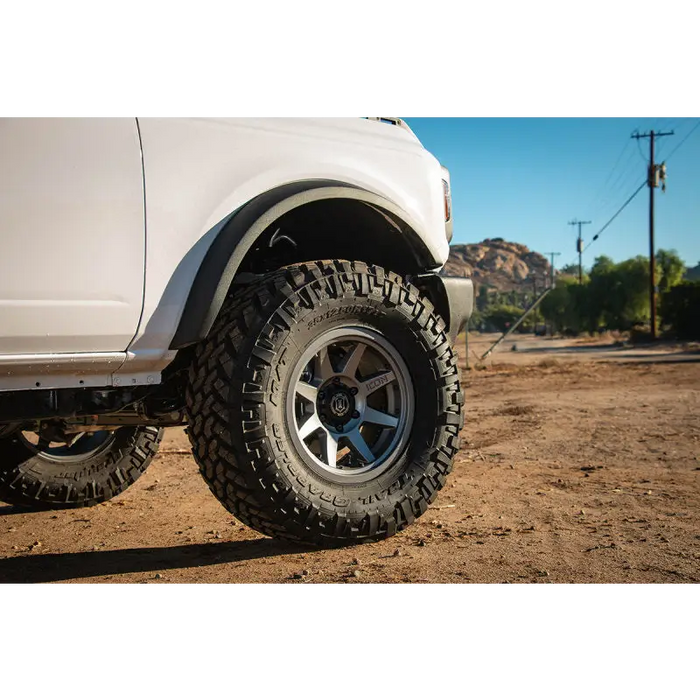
[[630, 168], [603, 200], [610, 220], [620, 184], [668, 125], [615, 215], [600, 191], [657, 123], [636, 192], [683, 140]]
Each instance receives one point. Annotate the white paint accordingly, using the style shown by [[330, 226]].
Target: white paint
[[216, 165], [72, 223], [71, 235]]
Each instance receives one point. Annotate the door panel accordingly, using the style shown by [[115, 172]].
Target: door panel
[[72, 235]]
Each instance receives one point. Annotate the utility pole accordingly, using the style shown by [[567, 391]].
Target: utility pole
[[534, 296], [551, 268], [653, 181], [547, 329], [579, 246]]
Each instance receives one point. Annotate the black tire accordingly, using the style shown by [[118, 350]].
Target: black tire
[[38, 480], [236, 396]]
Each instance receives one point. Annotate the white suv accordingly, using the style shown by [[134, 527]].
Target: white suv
[[271, 283]]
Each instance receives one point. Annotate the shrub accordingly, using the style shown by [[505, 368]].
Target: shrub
[[680, 309]]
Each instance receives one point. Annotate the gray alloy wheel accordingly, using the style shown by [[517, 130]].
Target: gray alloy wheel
[[51, 469], [351, 409], [76, 447]]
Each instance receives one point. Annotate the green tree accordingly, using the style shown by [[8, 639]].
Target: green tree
[[569, 270], [561, 307], [679, 310], [632, 292], [671, 269], [602, 265], [618, 294], [503, 316], [482, 299]]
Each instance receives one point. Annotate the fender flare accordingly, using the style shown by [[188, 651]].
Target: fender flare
[[242, 228]]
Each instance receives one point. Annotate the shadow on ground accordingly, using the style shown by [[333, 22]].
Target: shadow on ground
[[45, 568], [10, 510]]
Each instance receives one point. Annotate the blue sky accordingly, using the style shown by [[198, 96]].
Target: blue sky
[[524, 179]]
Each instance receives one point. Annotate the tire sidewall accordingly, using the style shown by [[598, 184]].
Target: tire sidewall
[[409, 341], [30, 479]]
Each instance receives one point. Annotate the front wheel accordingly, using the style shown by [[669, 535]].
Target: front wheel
[[325, 406]]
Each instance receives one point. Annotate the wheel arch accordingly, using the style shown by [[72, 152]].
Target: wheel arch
[[290, 224]]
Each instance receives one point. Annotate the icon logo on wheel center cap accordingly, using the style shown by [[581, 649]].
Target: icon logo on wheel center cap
[[340, 404]]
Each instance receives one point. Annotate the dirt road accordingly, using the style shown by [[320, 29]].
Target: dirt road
[[576, 467]]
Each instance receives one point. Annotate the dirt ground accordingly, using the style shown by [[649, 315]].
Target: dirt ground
[[580, 463]]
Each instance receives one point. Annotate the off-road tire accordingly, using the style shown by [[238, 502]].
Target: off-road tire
[[236, 395], [32, 480]]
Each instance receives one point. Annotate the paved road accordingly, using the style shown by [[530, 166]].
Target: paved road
[[530, 349]]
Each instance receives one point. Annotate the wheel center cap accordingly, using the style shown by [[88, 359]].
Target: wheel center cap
[[340, 404], [337, 406]]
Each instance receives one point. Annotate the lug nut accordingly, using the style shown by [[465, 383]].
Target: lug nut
[[339, 428], [336, 380], [355, 414], [353, 391], [321, 395]]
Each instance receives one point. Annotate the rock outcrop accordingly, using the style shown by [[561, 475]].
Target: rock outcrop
[[498, 264]]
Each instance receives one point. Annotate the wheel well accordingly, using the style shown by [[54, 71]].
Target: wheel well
[[300, 222], [341, 229]]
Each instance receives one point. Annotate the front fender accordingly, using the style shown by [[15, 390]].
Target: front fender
[[243, 228]]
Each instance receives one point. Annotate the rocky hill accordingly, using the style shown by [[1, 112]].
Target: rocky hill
[[498, 264]]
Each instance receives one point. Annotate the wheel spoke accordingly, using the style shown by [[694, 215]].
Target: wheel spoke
[[307, 391], [324, 368], [378, 418], [330, 449], [378, 381], [311, 425], [352, 360], [358, 444]]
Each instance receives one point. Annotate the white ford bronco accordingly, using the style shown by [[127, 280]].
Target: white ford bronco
[[272, 284]]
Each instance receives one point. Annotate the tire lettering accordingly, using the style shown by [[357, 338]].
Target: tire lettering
[[357, 309]]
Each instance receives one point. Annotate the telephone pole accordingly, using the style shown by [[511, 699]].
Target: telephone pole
[[653, 174], [551, 281], [551, 267], [579, 246]]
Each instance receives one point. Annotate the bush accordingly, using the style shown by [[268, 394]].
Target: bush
[[641, 333], [680, 309], [503, 316]]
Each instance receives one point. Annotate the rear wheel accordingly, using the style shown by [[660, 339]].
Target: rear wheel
[[325, 406], [49, 469]]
